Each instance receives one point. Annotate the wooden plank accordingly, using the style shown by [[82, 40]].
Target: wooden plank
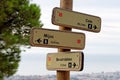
[[67, 61], [57, 39], [72, 19]]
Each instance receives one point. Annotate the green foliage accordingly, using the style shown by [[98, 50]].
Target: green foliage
[[17, 17], [9, 59]]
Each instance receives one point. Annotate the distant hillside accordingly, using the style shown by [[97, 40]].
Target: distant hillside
[[86, 76]]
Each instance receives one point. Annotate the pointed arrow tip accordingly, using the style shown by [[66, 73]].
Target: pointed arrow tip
[[38, 40], [95, 27], [74, 65]]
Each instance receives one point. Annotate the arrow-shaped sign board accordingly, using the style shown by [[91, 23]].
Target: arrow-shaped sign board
[[65, 61], [57, 39], [76, 20]]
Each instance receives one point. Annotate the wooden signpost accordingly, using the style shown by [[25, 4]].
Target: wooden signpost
[[64, 60], [65, 4]]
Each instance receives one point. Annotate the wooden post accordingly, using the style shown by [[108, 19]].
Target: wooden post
[[65, 4]]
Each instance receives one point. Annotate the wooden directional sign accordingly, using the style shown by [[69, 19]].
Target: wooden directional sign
[[57, 39], [77, 20], [68, 61]]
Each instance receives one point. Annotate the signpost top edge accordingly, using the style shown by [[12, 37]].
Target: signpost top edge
[[76, 12], [57, 30], [67, 52]]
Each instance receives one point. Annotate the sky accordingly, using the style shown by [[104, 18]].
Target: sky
[[102, 50]]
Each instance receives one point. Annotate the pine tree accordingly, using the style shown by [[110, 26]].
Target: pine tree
[[17, 17]]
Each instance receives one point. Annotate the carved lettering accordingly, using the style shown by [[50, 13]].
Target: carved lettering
[[63, 59], [89, 21], [54, 42], [48, 36]]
